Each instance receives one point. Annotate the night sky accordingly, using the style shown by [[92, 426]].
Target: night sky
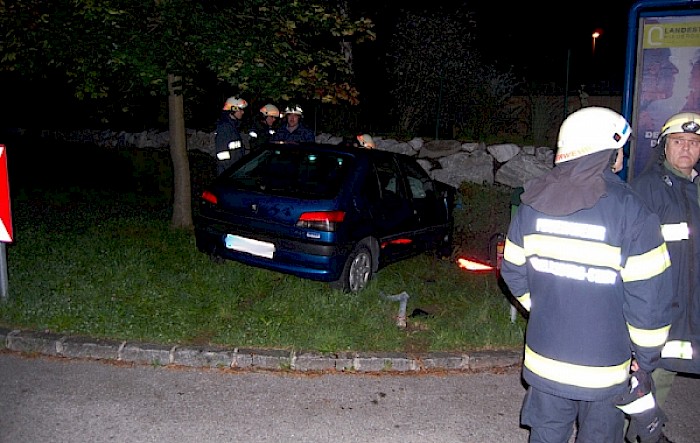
[[538, 40]]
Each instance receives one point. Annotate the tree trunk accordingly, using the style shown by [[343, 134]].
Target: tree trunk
[[182, 190], [346, 46]]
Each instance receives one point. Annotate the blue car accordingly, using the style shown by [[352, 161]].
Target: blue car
[[322, 212]]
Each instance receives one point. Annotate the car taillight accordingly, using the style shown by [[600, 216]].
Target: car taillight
[[209, 197], [320, 221]]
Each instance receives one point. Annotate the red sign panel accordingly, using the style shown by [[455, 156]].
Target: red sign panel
[[5, 217]]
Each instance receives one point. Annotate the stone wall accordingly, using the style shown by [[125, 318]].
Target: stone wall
[[450, 161]]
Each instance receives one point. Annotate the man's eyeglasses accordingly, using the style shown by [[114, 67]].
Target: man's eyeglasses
[[679, 142]]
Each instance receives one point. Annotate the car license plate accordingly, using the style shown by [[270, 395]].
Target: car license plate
[[249, 245]]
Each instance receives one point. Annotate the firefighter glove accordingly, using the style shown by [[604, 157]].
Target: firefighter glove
[[646, 417]]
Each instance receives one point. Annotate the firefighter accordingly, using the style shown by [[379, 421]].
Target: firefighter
[[229, 143], [586, 259], [669, 187], [293, 130], [265, 126]]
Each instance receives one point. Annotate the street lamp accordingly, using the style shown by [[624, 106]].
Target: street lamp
[[597, 33]]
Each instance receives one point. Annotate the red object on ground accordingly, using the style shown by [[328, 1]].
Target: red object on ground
[[473, 265]]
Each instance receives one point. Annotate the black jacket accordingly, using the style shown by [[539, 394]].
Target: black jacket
[[675, 199], [301, 134], [597, 284], [228, 140], [260, 134]]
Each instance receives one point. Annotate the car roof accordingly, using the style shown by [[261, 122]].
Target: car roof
[[340, 148]]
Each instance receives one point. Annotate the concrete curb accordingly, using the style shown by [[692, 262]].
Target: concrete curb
[[57, 345]]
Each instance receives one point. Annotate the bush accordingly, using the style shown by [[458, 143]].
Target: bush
[[482, 213]]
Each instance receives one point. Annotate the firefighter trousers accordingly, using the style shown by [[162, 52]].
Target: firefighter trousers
[[552, 419]]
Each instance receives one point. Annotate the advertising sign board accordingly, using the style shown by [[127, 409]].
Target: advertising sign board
[[662, 73]]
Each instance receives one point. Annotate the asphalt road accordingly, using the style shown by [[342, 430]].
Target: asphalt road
[[57, 399]]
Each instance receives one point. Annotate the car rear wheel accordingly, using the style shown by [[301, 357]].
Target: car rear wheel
[[357, 271]]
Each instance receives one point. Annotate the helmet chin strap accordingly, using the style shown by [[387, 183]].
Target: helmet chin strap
[[613, 160], [662, 149]]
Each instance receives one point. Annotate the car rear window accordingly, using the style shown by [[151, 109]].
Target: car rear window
[[294, 172]]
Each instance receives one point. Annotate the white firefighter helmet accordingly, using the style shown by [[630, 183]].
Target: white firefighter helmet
[[235, 104], [295, 110], [685, 122], [366, 141], [270, 110], [589, 130]]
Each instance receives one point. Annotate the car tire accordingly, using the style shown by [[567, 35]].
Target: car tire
[[357, 271]]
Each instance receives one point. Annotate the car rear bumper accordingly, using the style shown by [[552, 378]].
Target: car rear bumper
[[320, 262]]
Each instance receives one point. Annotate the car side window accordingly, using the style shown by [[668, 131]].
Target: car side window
[[370, 188], [394, 205], [389, 179], [419, 182], [416, 187]]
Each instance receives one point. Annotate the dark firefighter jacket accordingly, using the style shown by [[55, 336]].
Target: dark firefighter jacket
[[597, 287], [228, 140], [675, 199], [301, 134], [260, 134]]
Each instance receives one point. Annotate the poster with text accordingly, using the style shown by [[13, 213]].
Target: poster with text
[[667, 81]]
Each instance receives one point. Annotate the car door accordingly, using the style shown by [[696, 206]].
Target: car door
[[431, 215], [393, 216]]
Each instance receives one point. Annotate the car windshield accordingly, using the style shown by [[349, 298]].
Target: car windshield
[[293, 171]]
